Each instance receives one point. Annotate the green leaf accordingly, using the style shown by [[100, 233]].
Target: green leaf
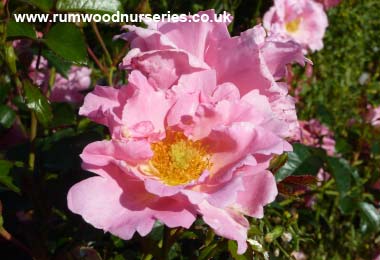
[[157, 232], [232, 248], [38, 103], [207, 252], [5, 167], [4, 90], [44, 5], [274, 234], [5, 177], [7, 116], [295, 160], [347, 204], [277, 162], [10, 57], [90, 253], [15, 29], [303, 160], [61, 65], [370, 216], [67, 41], [92, 6], [342, 146], [342, 172], [64, 115], [375, 148]]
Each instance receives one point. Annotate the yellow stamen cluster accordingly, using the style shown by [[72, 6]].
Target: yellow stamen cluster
[[177, 160], [293, 25]]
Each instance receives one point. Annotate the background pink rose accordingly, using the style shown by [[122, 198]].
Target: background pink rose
[[303, 21], [64, 89]]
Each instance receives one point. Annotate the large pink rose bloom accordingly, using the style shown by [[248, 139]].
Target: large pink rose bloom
[[195, 147], [303, 21], [166, 50], [64, 89]]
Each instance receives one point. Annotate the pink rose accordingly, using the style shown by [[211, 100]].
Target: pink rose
[[303, 21], [327, 4], [313, 133], [374, 116], [178, 151], [299, 255], [39, 76], [68, 89], [165, 50], [64, 89], [193, 132]]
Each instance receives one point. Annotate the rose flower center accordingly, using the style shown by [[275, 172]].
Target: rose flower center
[[293, 25], [177, 160]]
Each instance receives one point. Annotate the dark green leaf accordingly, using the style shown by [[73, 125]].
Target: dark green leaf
[[157, 232], [370, 216], [19, 102], [295, 159], [7, 116], [117, 242], [10, 57], [347, 204], [342, 172], [303, 160], [38, 103], [208, 251], [62, 66], [63, 115], [93, 6], [44, 5], [89, 253], [5, 177], [325, 114], [20, 30], [375, 148], [342, 146], [5, 167], [67, 41], [4, 90]]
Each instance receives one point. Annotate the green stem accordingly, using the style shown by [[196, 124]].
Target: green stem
[[96, 60], [110, 76], [33, 134], [166, 243], [100, 39], [51, 81], [170, 237], [277, 244], [147, 257]]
